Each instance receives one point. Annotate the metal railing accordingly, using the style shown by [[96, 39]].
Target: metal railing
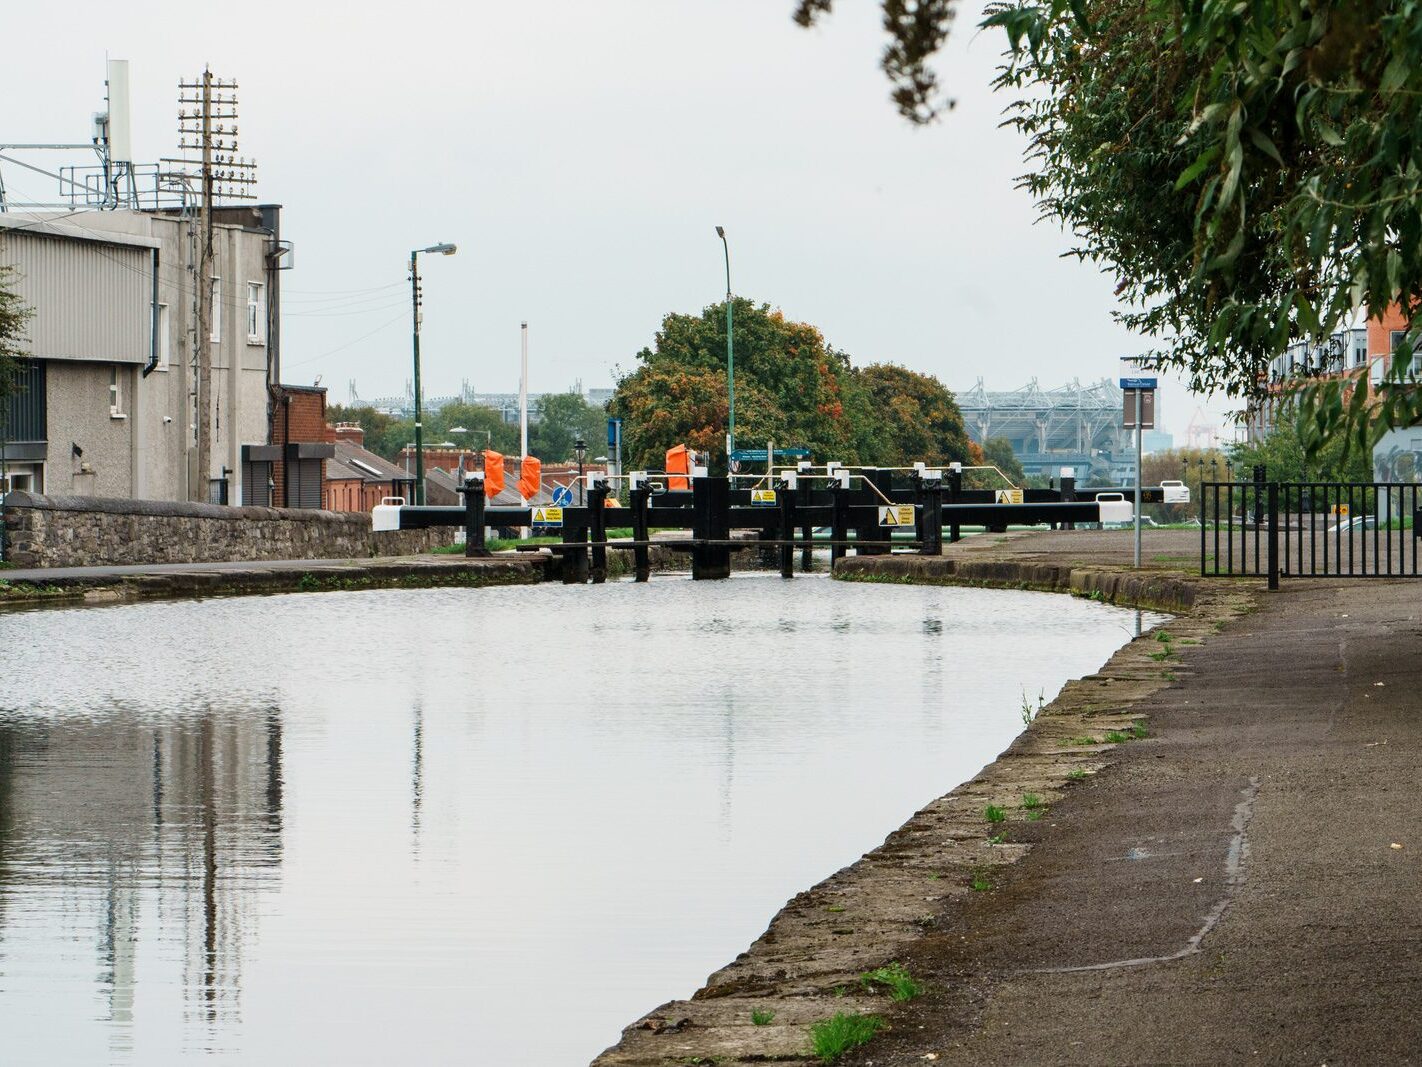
[[1310, 529]]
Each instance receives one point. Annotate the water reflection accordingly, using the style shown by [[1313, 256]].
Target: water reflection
[[290, 854], [131, 834]]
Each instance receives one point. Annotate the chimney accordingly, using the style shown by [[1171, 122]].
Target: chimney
[[349, 431]]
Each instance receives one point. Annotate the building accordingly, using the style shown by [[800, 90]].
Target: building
[[1071, 426], [108, 406], [356, 478]]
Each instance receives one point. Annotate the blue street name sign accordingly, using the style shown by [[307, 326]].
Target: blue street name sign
[[1138, 383]]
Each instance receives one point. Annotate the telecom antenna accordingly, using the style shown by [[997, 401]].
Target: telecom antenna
[[207, 125]]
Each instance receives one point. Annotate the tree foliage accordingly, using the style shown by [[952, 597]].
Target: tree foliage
[[1284, 453], [13, 317], [914, 416], [1249, 170], [997, 452], [791, 388]]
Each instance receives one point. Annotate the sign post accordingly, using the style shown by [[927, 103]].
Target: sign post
[[1142, 392]]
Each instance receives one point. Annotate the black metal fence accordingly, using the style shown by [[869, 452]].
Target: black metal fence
[[1310, 529]]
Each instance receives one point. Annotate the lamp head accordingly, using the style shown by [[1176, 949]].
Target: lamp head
[[721, 233], [442, 249]]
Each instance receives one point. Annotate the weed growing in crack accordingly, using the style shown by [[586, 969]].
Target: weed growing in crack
[[993, 813], [761, 1017], [831, 1038], [895, 978]]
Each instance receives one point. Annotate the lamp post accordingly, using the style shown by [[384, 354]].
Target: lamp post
[[444, 250], [580, 449], [730, 354]]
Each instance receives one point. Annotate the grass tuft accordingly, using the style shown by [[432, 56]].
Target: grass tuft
[[1076, 775], [761, 1017], [993, 813], [1031, 801], [831, 1038], [900, 983]]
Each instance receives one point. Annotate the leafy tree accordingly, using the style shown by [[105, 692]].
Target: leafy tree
[[1189, 465], [13, 317], [1284, 453], [914, 417], [563, 419], [1248, 170], [483, 427], [816, 400], [997, 452], [663, 405]]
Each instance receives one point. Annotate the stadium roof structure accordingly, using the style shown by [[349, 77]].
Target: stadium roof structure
[[1074, 425]]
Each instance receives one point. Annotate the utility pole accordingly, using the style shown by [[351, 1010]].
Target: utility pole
[[730, 356], [220, 172], [523, 394]]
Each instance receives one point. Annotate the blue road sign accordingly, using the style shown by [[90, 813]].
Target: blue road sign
[[1138, 383], [614, 432], [562, 496]]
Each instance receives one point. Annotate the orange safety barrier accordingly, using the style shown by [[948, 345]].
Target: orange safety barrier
[[493, 473], [678, 462], [530, 477]]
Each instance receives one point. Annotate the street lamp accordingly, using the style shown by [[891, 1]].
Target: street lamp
[[580, 449], [730, 354], [443, 250]]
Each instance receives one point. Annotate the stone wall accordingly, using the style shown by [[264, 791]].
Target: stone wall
[[77, 531]]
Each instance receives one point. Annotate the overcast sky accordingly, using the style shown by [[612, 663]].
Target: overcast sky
[[580, 153]]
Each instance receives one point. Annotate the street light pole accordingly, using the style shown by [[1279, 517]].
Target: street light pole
[[444, 250], [730, 354]]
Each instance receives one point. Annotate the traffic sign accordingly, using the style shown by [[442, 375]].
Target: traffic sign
[[762, 496], [896, 515], [1139, 383], [562, 496], [760, 455], [1008, 496], [547, 517]]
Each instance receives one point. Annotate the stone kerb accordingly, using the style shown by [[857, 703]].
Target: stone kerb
[[74, 531]]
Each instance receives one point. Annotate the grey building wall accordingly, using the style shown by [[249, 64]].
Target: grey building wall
[[79, 400], [90, 280]]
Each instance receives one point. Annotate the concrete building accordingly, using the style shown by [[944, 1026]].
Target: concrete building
[[109, 400]]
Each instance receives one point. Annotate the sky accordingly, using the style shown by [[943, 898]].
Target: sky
[[581, 153]]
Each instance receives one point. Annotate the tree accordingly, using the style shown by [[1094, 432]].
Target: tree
[[791, 387], [1248, 170], [915, 417], [563, 419], [13, 317], [662, 405], [1189, 465], [1283, 453], [997, 452]]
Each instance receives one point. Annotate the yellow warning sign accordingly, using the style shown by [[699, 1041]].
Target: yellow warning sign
[[896, 515], [1009, 496], [547, 516], [762, 496]]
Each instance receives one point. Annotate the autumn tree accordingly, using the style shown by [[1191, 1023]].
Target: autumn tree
[[791, 387], [913, 417]]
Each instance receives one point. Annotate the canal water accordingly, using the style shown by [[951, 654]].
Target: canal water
[[464, 826]]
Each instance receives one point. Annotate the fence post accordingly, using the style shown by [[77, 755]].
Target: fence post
[[474, 503], [839, 522], [639, 498], [786, 497], [597, 530], [955, 490], [1273, 534], [1260, 473]]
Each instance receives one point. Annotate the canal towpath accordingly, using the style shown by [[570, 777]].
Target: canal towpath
[[1239, 885]]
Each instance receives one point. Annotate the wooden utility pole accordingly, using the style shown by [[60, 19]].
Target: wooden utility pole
[[204, 129]]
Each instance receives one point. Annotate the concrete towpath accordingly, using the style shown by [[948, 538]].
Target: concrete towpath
[[1242, 885]]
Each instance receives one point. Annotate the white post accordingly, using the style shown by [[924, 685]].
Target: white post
[[1140, 393], [523, 394]]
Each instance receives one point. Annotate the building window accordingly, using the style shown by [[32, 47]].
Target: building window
[[163, 326], [256, 313], [116, 393], [216, 334]]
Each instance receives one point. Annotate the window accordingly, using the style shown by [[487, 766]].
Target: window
[[116, 393], [256, 313], [216, 310], [163, 326]]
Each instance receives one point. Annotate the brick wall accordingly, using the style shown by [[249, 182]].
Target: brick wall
[[300, 416], [74, 531]]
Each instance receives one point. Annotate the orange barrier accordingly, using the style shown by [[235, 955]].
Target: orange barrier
[[493, 473], [678, 462], [530, 477]]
